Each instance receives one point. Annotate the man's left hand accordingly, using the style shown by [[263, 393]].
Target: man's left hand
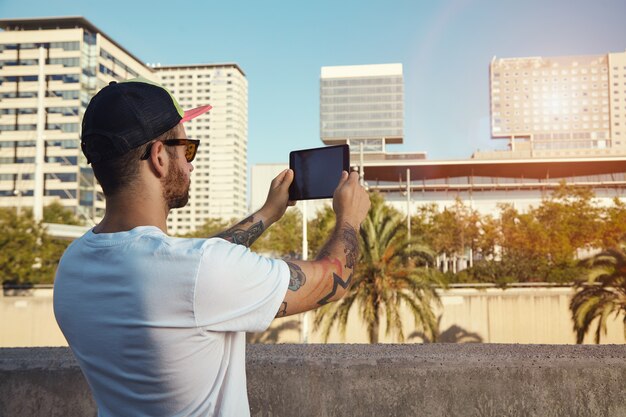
[[278, 196]]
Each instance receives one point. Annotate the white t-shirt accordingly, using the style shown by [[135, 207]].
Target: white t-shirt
[[157, 323]]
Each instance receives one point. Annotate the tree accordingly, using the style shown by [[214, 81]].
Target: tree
[[543, 243], [570, 220], [454, 231], [283, 238], [20, 241], [211, 227], [392, 272], [319, 229], [613, 229], [603, 293], [28, 254], [56, 213], [52, 248]]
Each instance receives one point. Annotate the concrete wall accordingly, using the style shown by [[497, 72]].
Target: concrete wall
[[367, 380], [492, 315]]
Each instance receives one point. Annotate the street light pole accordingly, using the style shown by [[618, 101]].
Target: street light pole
[[39, 144], [304, 330], [408, 202]]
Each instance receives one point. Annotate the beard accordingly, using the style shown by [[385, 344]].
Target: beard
[[176, 187]]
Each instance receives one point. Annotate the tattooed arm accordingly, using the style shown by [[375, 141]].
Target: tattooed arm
[[249, 229], [327, 278], [246, 231]]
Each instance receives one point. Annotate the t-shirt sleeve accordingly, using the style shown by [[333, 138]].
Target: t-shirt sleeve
[[236, 289]]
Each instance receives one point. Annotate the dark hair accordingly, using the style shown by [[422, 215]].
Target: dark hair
[[115, 174]]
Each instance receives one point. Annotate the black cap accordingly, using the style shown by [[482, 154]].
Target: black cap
[[125, 115]]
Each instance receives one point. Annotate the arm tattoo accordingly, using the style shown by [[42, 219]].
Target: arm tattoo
[[242, 235], [351, 246], [337, 282], [296, 277], [282, 311], [348, 237], [324, 253]]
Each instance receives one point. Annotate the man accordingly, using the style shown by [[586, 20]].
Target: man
[[157, 323]]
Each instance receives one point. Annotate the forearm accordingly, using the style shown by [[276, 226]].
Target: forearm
[[315, 283], [248, 230]]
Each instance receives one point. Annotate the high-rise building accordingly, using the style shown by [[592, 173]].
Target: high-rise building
[[219, 181], [49, 70], [560, 106], [362, 104]]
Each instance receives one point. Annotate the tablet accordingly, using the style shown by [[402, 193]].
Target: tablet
[[317, 171]]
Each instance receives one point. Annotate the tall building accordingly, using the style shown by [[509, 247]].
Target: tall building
[[362, 105], [219, 185], [559, 106], [49, 70]]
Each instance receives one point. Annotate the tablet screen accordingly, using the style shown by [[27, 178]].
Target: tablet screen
[[317, 171]]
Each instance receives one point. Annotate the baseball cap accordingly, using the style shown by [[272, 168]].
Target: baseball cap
[[128, 114]]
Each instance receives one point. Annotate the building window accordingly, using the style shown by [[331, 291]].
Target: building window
[[66, 62]]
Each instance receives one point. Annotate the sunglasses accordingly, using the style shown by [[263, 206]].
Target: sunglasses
[[191, 147]]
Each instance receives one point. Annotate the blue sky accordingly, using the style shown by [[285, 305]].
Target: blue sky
[[444, 46]]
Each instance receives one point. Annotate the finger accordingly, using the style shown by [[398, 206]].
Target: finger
[[354, 177], [343, 179]]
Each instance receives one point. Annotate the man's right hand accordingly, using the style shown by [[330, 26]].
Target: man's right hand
[[350, 200], [328, 278]]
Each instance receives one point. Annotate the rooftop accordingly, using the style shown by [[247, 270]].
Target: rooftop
[[60, 22]]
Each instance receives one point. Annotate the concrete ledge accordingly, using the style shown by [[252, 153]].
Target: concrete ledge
[[368, 380]]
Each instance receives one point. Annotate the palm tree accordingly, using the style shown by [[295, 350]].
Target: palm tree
[[602, 294], [392, 271]]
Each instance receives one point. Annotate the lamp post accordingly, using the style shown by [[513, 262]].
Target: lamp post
[[40, 144], [408, 202], [304, 329]]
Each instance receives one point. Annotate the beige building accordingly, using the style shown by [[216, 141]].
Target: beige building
[[49, 70], [559, 106], [219, 185]]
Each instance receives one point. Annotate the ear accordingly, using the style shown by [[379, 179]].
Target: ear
[[158, 158]]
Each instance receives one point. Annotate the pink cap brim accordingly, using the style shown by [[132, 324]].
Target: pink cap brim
[[193, 113]]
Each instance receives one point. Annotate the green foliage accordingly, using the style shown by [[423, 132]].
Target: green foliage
[[20, 250], [53, 248], [319, 229], [601, 294], [539, 245], [283, 238], [210, 228], [28, 255], [392, 271], [613, 227], [56, 213]]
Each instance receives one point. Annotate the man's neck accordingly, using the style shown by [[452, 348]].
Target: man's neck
[[124, 214]]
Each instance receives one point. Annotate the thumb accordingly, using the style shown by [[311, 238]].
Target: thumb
[[280, 178], [287, 178]]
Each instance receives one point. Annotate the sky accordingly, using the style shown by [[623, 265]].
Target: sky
[[445, 48]]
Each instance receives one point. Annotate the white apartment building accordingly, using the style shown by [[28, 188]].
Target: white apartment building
[[219, 179], [49, 70]]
